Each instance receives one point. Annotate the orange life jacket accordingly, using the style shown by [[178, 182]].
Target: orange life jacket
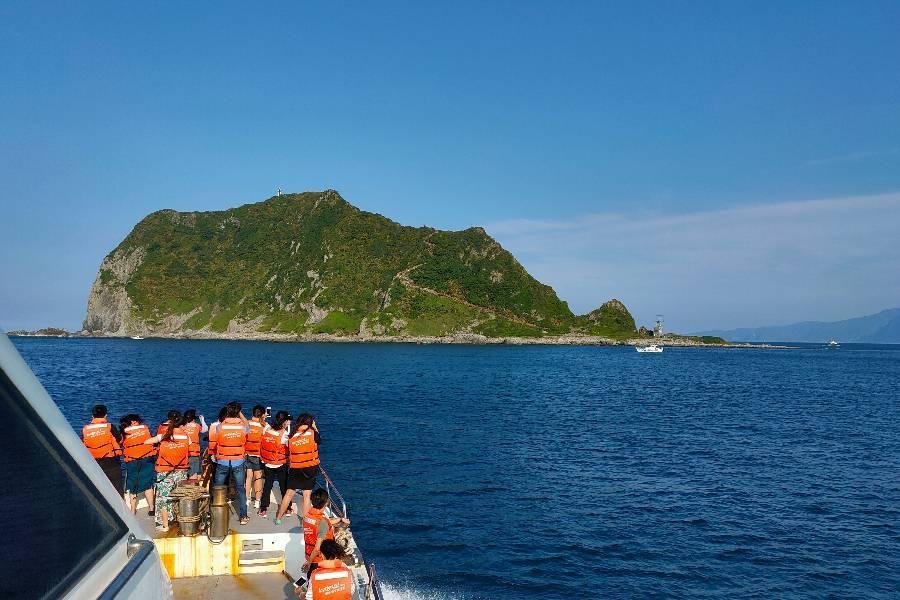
[[212, 437], [163, 427], [193, 431], [332, 580], [254, 437], [311, 532], [99, 440], [271, 449], [231, 436], [133, 445], [304, 450], [173, 452]]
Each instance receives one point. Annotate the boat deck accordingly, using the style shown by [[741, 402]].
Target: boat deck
[[256, 560], [257, 525], [272, 586]]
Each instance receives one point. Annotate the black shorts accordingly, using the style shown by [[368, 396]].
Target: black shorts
[[113, 469], [302, 479]]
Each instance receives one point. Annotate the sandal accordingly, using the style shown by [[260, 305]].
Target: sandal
[[277, 521]]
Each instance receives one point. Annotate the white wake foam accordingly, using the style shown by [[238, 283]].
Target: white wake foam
[[405, 593]]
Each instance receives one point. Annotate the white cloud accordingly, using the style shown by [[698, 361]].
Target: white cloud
[[747, 266]]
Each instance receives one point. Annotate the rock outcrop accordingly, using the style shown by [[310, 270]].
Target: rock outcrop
[[109, 309]]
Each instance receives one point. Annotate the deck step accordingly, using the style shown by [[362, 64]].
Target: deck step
[[249, 545], [261, 558]]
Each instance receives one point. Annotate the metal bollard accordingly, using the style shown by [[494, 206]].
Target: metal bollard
[[219, 512], [189, 516]]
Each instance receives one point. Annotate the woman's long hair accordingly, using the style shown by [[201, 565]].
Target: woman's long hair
[[189, 415], [281, 417], [175, 420], [127, 421], [304, 421]]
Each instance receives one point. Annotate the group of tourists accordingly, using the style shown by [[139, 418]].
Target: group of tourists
[[254, 452]]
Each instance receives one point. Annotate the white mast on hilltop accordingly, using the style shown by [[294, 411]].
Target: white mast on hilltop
[[658, 328], [279, 191]]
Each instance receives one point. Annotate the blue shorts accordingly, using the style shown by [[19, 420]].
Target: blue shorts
[[253, 463], [140, 475], [193, 465]]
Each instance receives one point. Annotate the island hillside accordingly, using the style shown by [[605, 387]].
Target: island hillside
[[311, 263]]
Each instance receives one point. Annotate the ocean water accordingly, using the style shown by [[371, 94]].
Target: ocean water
[[563, 472]]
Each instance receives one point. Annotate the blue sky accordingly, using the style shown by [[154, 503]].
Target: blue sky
[[527, 118]]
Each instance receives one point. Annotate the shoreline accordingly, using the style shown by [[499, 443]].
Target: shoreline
[[455, 339]]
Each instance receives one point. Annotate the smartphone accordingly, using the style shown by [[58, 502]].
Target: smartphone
[[268, 411]]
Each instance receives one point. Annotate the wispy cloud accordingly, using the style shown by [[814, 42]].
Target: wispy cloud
[[750, 265], [850, 157]]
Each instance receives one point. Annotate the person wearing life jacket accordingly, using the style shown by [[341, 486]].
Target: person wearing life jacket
[[213, 435], [331, 579], [194, 429], [101, 439], [139, 460], [317, 529], [171, 465], [303, 463], [273, 454], [164, 426], [254, 467], [231, 440]]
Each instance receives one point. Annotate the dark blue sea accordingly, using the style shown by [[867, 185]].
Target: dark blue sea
[[564, 472]]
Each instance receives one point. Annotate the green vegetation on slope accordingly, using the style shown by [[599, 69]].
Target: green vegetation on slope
[[311, 262], [611, 320]]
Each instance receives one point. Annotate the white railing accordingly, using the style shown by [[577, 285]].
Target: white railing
[[335, 498]]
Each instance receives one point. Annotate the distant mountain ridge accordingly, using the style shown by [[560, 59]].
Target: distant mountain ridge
[[312, 263], [880, 328]]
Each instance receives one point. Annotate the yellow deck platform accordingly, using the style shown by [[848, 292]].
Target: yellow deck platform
[[258, 547]]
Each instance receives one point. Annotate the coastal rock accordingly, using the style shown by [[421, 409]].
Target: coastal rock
[[109, 309]]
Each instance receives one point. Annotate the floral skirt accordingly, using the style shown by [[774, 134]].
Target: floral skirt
[[165, 484]]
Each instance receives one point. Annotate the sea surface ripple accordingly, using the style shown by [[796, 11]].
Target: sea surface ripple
[[563, 472]]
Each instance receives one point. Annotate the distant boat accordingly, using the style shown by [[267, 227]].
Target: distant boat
[[650, 348], [136, 337], [833, 344]]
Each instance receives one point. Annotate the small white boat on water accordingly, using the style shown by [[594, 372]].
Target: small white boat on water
[[833, 343], [653, 348], [136, 337]]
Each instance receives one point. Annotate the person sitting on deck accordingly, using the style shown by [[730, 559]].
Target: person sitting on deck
[[254, 467], [231, 438], [330, 579], [171, 466], [101, 438], [317, 527], [139, 462], [194, 429]]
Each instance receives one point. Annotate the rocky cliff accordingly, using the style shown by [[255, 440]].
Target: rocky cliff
[[312, 263]]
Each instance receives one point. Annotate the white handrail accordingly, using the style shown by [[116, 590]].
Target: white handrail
[[334, 495]]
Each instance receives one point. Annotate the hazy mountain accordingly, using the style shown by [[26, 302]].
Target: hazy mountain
[[880, 328]]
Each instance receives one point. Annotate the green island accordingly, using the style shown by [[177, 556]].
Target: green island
[[313, 266]]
